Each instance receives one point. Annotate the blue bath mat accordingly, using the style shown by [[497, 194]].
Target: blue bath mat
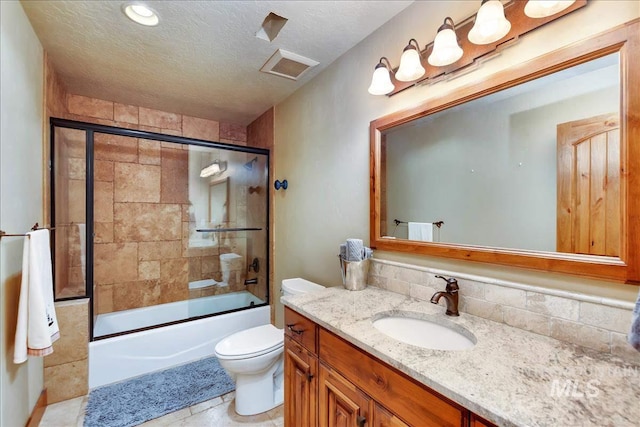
[[132, 402]]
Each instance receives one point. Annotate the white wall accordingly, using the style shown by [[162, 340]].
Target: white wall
[[21, 174], [322, 142]]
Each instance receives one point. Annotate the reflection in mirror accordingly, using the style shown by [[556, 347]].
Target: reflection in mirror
[[532, 167], [218, 202]]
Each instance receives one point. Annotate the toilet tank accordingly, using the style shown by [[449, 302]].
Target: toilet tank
[[298, 285]]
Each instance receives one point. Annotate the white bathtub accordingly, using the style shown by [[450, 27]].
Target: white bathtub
[[126, 356]]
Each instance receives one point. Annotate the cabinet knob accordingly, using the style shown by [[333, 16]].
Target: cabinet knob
[[294, 330], [309, 376], [361, 421]]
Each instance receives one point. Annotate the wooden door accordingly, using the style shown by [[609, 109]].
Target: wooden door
[[589, 186], [341, 403], [301, 385]]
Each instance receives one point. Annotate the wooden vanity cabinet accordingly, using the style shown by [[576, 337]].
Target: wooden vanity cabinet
[[331, 383], [300, 371], [341, 404], [403, 397], [300, 385], [476, 421], [383, 418]]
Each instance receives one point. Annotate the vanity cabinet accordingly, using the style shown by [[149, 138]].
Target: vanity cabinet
[[300, 378], [476, 421], [402, 396], [383, 418], [331, 383], [341, 404], [300, 371]]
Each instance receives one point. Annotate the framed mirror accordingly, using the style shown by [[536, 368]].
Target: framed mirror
[[535, 167], [219, 201]]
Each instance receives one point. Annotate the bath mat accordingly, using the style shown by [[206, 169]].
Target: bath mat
[[132, 402]]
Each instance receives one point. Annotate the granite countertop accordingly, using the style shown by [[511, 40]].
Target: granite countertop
[[510, 377]]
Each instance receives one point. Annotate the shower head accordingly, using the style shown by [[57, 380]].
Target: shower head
[[249, 165]]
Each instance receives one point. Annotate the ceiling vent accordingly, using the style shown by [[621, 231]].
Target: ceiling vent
[[287, 64], [271, 27]]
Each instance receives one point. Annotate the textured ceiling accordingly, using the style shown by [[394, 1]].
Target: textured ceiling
[[203, 59]]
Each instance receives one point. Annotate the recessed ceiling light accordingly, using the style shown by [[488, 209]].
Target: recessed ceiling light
[[141, 14]]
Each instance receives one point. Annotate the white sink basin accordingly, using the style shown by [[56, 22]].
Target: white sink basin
[[423, 333]]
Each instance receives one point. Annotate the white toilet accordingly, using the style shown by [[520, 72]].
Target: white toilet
[[254, 358]]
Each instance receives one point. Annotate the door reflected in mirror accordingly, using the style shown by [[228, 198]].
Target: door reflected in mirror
[[532, 167]]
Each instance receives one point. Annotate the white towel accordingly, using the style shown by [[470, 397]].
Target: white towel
[[421, 231], [37, 327]]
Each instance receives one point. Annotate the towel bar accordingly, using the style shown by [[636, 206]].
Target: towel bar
[[34, 228], [437, 223]]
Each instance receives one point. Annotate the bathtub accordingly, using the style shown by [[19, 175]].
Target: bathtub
[[126, 356]]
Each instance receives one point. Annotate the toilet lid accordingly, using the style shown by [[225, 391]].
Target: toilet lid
[[251, 342]]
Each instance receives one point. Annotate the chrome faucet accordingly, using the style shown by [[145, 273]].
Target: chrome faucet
[[450, 294]]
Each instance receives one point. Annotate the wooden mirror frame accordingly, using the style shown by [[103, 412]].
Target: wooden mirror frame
[[624, 40]]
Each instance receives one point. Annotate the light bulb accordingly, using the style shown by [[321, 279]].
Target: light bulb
[[544, 8], [381, 80], [446, 49], [491, 24], [410, 67]]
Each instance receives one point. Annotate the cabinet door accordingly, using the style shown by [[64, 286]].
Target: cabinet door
[[301, 385], [341, 403], [415, 403], [384, 418], [476, 421]]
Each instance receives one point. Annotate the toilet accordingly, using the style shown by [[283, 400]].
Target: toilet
[[255, 359]]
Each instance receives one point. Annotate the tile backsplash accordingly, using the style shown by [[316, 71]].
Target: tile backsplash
[[593, 322]]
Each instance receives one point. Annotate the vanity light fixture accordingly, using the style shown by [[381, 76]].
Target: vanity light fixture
[[544, 8], [410, 68], [446, 49], [489, 29], [491, 24], [215, 168], [381, 80], [141, 14]]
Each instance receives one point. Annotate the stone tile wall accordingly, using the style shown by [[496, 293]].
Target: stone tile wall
[[597, 323], [141, 208], [66, 369]]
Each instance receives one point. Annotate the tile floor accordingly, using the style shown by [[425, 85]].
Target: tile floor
[[217, 412]]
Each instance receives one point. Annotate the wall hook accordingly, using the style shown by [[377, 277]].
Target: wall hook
[[281, 184]]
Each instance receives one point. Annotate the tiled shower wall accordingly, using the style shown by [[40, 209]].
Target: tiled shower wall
[[141, 207], [595, 323]]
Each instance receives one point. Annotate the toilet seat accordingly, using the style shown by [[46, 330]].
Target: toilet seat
[[251, 342]]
